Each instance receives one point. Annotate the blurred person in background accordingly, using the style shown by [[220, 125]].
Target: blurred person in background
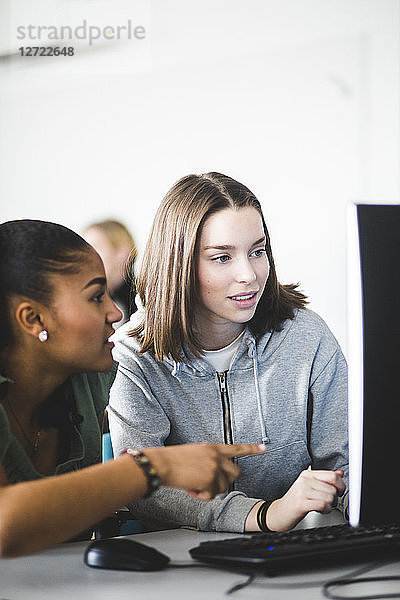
[[115, 245]]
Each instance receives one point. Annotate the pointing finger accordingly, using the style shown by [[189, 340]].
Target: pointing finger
[[232, 450]]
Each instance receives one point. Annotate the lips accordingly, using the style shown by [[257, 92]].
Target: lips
[[244, 300], [243, 296], [107, 340]]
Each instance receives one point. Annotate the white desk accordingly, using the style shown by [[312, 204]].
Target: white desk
[[60, 574]]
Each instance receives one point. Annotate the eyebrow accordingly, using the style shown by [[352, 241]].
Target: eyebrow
[[95, 281], [229, 247]]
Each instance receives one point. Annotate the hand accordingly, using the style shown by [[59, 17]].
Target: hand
[[312, 490], [204, 470]]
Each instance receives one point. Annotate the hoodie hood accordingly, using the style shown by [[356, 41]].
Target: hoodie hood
[[252, 348]]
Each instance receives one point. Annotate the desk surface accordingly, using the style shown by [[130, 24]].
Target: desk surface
[[60, 573]]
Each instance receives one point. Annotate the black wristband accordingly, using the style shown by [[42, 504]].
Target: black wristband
[[153, 480], [261, 516]]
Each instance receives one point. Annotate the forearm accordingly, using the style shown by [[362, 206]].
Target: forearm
[[312, 491], [175, 508], [38, 514]]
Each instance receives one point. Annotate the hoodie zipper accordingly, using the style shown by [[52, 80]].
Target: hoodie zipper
[[226, 409], [226, 412]]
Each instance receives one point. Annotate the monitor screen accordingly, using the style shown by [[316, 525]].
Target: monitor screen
[[374, 362]]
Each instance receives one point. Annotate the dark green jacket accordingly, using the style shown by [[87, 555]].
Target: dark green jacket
[[83, 398]]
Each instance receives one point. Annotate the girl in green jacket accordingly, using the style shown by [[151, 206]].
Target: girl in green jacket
[[56, 369]]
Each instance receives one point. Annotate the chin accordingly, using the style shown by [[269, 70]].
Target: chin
[[102, 366], [243, 319], [107, 366]]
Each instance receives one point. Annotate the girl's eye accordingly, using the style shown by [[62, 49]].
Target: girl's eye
[[98, 298], [221, 259], [259, 252]]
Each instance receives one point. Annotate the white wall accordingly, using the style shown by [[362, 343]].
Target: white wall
[[298, 99]]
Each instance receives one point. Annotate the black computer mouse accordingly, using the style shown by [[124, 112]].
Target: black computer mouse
[[124, 554]]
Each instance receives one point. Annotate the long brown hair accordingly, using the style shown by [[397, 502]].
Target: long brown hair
[[167, 282]]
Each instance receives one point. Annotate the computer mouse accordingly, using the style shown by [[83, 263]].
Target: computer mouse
[[124, 554]]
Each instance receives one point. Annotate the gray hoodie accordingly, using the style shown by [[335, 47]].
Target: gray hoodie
[[286, 389]]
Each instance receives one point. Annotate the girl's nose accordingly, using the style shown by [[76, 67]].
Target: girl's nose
[[245, 272], [113, 313]]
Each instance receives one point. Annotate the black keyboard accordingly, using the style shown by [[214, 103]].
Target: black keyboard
[[302, 549]]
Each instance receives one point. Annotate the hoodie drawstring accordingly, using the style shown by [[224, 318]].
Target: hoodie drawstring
[[253, 354], [175, 370]]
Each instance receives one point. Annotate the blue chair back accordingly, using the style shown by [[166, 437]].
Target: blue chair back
[[106, 447]]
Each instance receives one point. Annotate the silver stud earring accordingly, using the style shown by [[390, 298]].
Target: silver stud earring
[[43, 335]]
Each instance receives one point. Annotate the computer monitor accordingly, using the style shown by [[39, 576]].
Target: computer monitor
[[373, 280]]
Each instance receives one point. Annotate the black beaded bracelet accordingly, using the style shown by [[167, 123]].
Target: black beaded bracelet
[[261, 516], [153, 480]]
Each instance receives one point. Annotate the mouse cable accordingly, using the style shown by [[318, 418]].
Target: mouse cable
[[186, 565], [352, 581], [240, 586], [183, 565], [353, 578], [313, 584]]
